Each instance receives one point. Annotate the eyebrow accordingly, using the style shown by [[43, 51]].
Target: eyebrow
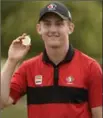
[[46, 20]]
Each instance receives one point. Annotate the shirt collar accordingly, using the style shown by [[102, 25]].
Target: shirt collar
[[68, 57]]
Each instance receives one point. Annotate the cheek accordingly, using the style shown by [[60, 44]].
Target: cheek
[[44, 29], [44, 34], [64, 31]]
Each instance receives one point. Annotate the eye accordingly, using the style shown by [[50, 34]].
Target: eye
[[47, 24], [59, 23]]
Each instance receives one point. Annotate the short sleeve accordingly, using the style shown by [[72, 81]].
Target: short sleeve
[[95, 85], [18, 83]]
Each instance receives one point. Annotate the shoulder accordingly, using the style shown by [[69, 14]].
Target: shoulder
[[86, 61], [32, 61], [84, 57]]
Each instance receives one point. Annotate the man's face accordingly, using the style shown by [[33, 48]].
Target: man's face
[[53, 30]]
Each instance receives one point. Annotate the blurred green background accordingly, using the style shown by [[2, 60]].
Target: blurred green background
[[18, 17]]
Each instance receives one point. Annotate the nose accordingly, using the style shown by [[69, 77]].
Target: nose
[[53, 28]]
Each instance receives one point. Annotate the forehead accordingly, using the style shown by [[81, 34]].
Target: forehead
[[49, 16]]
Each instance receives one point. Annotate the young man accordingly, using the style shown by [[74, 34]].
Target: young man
[[61, 82]]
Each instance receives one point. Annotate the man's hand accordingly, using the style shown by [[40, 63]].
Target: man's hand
[[17, 50], [97, 112]]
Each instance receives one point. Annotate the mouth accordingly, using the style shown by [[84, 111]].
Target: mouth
[[53, 34], [54, 38]]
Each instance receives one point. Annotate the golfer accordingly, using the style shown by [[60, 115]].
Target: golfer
[[60, 82]]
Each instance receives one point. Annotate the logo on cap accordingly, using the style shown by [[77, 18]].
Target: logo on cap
[[52, 7]]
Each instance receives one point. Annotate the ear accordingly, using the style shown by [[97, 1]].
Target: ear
[[38, 28], [71, 28]]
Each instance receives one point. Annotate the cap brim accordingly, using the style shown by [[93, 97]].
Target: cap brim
[[55, 12]]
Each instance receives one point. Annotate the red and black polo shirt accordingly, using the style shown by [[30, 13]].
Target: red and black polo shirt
[[66, 90]]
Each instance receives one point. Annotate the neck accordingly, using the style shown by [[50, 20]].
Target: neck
[[56, 55]]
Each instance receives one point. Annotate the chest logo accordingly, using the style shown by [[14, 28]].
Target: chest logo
[[38, 79], [70, 80]]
